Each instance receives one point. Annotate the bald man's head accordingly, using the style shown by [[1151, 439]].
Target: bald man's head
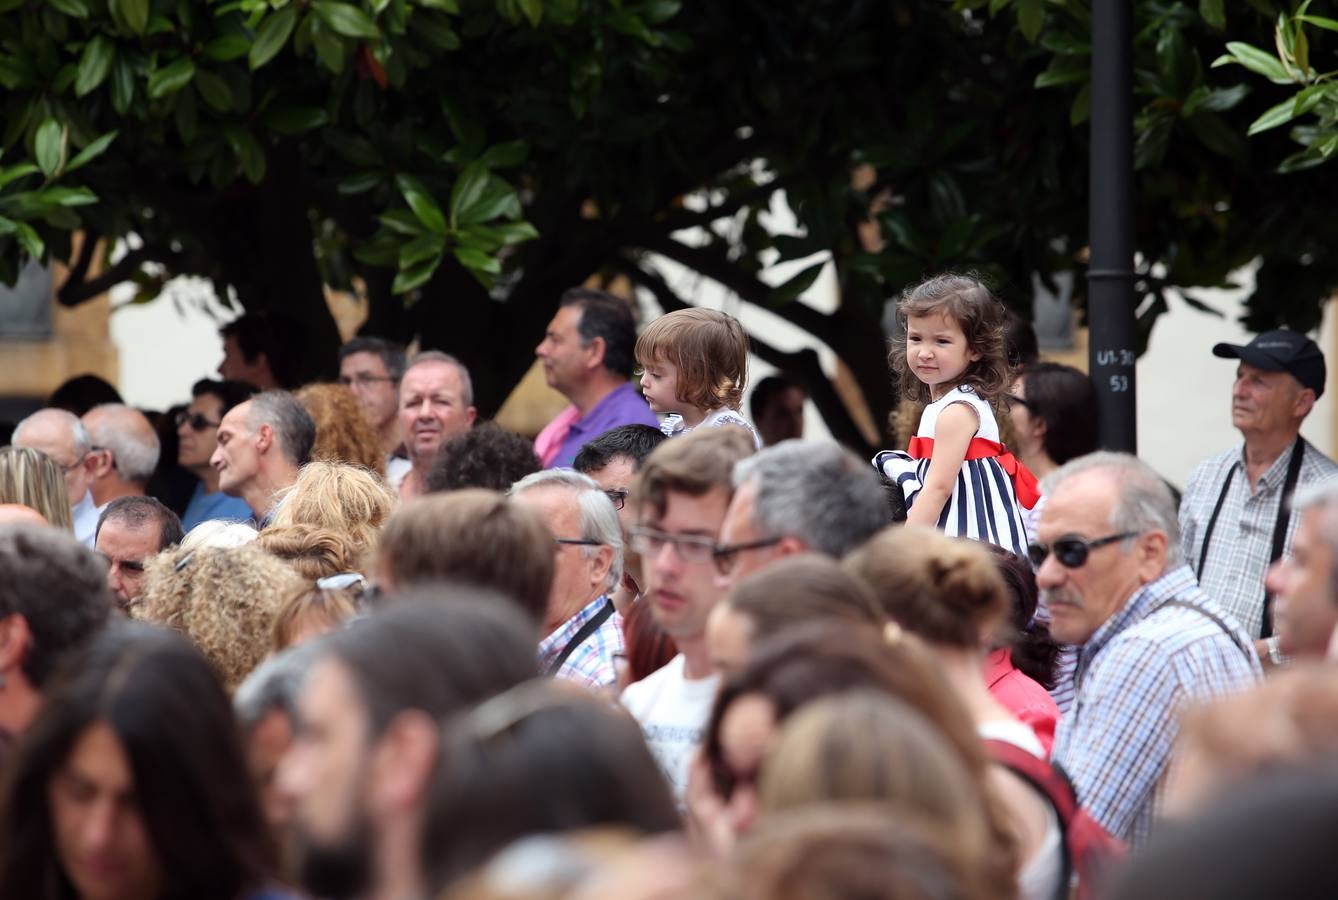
[[126, 448]]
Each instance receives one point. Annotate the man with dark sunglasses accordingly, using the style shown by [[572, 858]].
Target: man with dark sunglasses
[[1111, 570], [197, 438]]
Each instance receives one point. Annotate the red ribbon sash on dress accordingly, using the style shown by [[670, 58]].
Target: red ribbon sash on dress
[[1024, 483]]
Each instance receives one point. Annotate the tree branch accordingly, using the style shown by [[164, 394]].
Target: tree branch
[[684, 218], [716, 266], [802, 366], [75, 291]]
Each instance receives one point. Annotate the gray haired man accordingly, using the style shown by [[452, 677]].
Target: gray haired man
[[584, 632], [798, 497], [261, 445]]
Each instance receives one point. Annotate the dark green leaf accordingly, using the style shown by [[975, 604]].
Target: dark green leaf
[[67, 196], [94, 64], [514, 232], [533, 10], [360, 183], [403, 221], [172, 78], [187, 115], [382, 250], [30, 240], [249, 153], [1255, 60], [1030, 18], [77, 9], [353, 148], [135, 13], [329, 47], [295, 119], [468, 189], [227, 47], [422, 204], [427, 246], [436, 31], [49, 146], [122, 86], [657, 12], [796, 285], [449, 6], [1213, 12], [271, 36], [14, 173], [629, 23], [1081, 110], [1320, 22], [477, 261], [1051, 78], [414, 277], [346, 19], [92, 151], [214, 90], [1281, 114]]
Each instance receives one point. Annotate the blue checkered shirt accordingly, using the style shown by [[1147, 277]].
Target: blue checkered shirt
[[592, 662], [1133, 677]]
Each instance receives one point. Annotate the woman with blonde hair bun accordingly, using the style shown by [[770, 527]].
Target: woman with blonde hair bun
[[30, 478], [343, 434], [349, 500]]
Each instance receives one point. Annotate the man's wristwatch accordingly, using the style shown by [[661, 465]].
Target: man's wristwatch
[[1275, 652]]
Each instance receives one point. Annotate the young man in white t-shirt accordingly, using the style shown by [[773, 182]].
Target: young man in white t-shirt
[[680, 499]]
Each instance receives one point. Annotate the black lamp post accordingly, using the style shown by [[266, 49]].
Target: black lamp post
[[1110, 273]]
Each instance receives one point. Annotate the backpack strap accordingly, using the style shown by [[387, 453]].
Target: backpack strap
[[587, 630], [1047, 782]]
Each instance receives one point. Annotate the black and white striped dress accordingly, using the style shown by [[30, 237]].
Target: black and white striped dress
[[983, 505]]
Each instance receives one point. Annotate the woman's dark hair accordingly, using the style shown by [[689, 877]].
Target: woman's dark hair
[[648, 647], [1034, 652], [1065, 399], [160, 697], [538, 759], [485, 456]]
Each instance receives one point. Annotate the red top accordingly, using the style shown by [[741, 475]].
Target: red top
[[1024, 697]]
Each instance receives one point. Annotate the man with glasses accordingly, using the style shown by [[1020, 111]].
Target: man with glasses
[[197, 438], [583, 631], [371, 367], [126, 448], [679, 502], [612, 460], [1111, 570], [798, 497], [61, 436]]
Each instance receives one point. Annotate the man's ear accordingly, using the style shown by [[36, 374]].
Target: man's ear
[[789, 545], [15, 639], [603, 560], [1150, 555], [100, 463], [1304, 403], [264, 437], [470, 415], [403, 762], [595, 352]]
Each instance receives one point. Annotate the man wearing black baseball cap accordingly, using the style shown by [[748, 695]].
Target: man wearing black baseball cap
[[1235, 516]]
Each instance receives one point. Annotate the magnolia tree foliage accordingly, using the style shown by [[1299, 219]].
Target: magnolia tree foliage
[[467, 160]]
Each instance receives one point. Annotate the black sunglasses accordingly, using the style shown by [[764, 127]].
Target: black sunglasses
[[1072, 551], [197, 421]]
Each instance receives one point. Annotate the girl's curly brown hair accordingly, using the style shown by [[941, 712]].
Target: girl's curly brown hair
[[343, 433], [967, 301]]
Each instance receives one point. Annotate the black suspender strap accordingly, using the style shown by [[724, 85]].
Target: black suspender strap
[[1280, 528], [1217, 620], [1212, 521], [588, 629]]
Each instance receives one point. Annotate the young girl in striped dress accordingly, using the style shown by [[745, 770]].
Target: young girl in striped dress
[[957, 474]]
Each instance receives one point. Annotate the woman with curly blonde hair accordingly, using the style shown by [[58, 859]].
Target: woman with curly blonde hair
[[348, 500], [225, 601], [30, 478], [343, 433]]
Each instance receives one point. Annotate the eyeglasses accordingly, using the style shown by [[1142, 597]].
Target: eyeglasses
[[1010, 399], [726, 555], [579, 542], [618, 498], [1072, 552], [363, 379], [691, 548], [196, 420]]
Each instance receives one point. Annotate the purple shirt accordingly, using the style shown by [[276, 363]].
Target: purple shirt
[[621, 406]]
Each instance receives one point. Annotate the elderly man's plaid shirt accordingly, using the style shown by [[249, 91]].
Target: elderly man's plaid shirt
[[1242, 540], [592, 662], [1133, 677]]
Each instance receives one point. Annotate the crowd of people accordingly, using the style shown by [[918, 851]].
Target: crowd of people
[[348, 641]]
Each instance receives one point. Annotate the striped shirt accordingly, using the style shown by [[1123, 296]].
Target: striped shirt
[[591, 663], [1242, 540], [1133, 676]]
